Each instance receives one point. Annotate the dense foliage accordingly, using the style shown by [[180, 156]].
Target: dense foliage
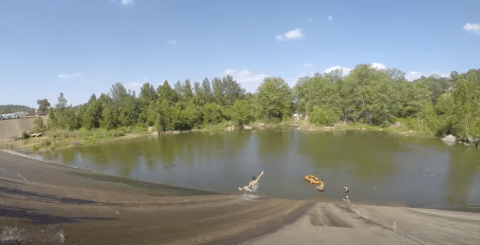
[[379, 97]]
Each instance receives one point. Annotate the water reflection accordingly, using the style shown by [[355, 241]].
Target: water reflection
[[365, 153], [464, 163], [405, 170]]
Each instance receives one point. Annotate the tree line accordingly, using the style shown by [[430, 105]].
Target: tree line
[[366, 95], [5, 109]]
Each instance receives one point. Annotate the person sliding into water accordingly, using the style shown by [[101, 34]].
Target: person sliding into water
[[320, 185], [251, 185]]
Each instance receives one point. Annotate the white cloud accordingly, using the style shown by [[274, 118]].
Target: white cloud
[[310, 20], [134, 85], [345, 71], [475, 28], [296, 34], [309, 65], [378, 66], [330, 18], [78, 74], [245, 76], [172, 42], [127, 2], [416, 75]]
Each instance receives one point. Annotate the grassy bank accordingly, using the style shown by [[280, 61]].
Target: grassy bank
[[57, 139], [400, 128]]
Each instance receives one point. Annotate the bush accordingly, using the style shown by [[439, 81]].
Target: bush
[[24, 135], [39, 126], [322, 116]]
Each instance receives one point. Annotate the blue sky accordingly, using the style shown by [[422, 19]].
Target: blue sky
[[83, 47]]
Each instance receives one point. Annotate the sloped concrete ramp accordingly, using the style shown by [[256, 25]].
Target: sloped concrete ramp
[[12, 128], [330, 223]]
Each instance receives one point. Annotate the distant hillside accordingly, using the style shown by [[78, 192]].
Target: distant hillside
[[14, 108]]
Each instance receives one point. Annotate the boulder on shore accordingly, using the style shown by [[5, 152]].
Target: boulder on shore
[[247, 127], [449, 138], [155, 133], [470, 140]]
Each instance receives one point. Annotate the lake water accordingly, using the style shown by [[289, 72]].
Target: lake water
[[379, 168]]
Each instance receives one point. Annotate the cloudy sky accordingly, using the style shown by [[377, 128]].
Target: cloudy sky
[[83, 47]]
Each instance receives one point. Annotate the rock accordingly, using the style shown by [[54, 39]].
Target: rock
[[381, 129], [470, 140], [411, 131], [150, 129], [155, 133], [247, 127], [449, 138], [261, 125], [229, 128], [176, 132]]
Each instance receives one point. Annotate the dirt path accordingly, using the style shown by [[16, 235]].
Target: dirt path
[[52, 204]]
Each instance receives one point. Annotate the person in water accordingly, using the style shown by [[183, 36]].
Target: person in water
[[252, 184], [320, 185]]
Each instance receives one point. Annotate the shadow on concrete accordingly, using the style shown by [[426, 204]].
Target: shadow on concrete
[[5, 191], [37, 217]]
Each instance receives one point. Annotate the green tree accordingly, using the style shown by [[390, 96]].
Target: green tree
[[43, 105], [242, 112], [62, 102], [39, 126], [207, 91], [165, 92], [118, 92], [274, 99], [212, 113], [193, 115], [323, 116], [466, 113], [385, 103], [187, 90], [147, 93]]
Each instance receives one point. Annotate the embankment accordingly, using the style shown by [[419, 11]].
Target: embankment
[[12, 128]]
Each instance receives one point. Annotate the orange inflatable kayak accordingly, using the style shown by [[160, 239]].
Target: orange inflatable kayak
[[312, 179]]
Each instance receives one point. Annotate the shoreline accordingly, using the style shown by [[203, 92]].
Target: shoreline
[[40, 145], [78, 206], [44, 203]]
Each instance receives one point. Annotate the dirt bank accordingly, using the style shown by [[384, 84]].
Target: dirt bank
[[46, 203]]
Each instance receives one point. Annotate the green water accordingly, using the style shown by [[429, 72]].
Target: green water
[[379, 168]]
